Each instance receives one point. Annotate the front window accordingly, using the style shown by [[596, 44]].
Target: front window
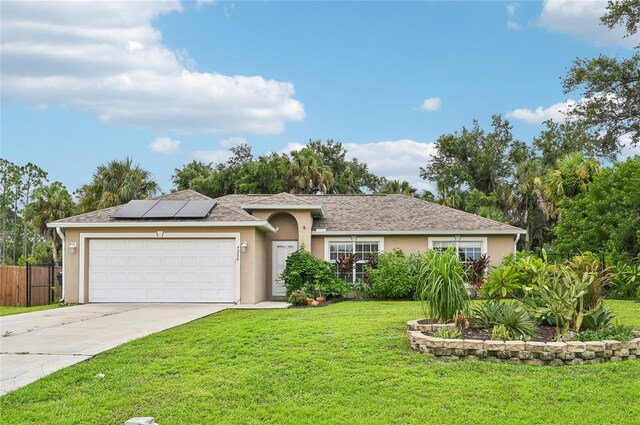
[[467, 250], [354, 255]]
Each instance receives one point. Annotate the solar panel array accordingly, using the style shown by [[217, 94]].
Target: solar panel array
[[149, 209]]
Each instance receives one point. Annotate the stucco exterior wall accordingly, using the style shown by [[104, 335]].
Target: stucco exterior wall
[[287, 231], [303, 218], [252, 286], [499, 246]]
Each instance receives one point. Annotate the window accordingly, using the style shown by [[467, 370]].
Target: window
[[360, 248], [468, 248]]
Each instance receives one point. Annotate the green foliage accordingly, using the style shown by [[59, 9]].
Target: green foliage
[[604, 218], [116, 183], [511, 315], [308, 274], [588, 263], [502, 281], [500, 333], [441, 285], [393, 277], [599, 318], [297, 298], [308, 173], [448, 332], [562, 295], [616, 333], [625, 281], [398, 187]]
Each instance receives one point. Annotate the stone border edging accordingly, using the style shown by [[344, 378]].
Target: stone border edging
[[520, 352]]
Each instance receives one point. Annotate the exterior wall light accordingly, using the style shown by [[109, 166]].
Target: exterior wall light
[[72, 247], [244, 246]]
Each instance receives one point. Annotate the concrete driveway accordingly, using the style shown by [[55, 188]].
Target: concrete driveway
[[33, 345]]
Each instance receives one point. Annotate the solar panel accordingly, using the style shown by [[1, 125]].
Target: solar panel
[[134, 209], [164, 209], [196, 209]]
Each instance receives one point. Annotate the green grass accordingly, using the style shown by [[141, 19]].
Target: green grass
[[347, 363], [8, 310]]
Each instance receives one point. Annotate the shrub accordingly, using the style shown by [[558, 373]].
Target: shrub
[[617, 333], [441, 285], [502, 281], [477, 270], [625, 281], [512, 315], [306, 273], [500, 333], [598, 318], [392, 278], [297, 298], [448, 332], [590, 263]]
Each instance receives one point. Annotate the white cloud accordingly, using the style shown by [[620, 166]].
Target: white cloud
[[216, 156], [512, 10], [165, 145], [399, 159], [556, 112], [231, 142], [431, 104], [627, 149], [290, 147], [107, 58], [582, 19]]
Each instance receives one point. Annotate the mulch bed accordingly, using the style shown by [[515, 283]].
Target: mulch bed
[[543, 334]]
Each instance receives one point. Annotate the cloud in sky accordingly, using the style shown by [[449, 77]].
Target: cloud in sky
[[541, 114], [512, 22], [431, 104], [165, 145], [107, 58], [582, 19]]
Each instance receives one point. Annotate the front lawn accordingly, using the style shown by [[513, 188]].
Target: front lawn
[[7, 310], [348, 363]]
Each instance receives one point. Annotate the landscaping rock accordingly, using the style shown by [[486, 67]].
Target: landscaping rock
[[587, 355], [452, 343], [576, 346], [556, 347], [595, 346], [612, 345], [525, 355], [514, 345], [624, 352], [492, 345], [473, 344], [535, 347]]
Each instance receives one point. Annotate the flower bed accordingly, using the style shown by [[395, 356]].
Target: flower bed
[[517, 352]]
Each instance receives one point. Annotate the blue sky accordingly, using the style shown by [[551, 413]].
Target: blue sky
[[169, 82]]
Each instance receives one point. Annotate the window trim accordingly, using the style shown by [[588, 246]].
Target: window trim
[[457, 239], [353, 240]]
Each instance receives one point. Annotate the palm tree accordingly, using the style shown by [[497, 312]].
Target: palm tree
[[307, 173], [116, 183], [397, 187], [50, 203], [527, 199], [572, 176]]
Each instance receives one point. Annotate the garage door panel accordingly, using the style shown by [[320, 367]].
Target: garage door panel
[[162, 270]]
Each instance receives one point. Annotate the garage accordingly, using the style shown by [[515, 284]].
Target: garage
[[162, 270]]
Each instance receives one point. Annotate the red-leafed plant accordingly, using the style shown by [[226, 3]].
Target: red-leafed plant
[[477, 270], [345, 264]]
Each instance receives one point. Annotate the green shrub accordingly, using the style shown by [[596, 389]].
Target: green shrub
[[392, 278], [502, 281], [500, 333], [617, 333], [441, 285], [625, 281], [297, 298], [448, 332], [306, 273], [598, 318], [512, 315]]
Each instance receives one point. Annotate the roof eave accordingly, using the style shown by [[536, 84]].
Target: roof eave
[[262, 225], [317, 210], [318, 232]]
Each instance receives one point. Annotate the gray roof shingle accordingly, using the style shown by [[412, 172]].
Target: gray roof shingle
[[342, 213]]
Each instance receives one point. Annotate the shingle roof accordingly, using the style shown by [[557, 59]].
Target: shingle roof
[[342, 213], [386, 213]]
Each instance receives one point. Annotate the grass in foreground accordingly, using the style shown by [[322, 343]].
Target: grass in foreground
[[348, 363], [8, 310]]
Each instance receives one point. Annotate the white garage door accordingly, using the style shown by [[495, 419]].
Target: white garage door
[[162, 270]]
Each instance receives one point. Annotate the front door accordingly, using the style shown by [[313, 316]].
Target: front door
[[280, 251]]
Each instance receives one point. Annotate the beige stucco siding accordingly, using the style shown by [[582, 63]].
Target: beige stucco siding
[[251, 262], [499, 246], [303, 218]]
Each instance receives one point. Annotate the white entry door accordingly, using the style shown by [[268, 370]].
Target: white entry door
[[280, 251], [162, 270]]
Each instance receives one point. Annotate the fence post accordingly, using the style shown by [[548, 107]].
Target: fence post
[[27, 285]]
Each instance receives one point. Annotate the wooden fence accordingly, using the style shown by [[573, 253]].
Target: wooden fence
[[14, 285]]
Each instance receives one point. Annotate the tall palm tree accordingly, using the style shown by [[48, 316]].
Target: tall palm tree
[[307, 173], [116, 183], [402, 188], [572, 175], [50, 203], [527, 201]]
